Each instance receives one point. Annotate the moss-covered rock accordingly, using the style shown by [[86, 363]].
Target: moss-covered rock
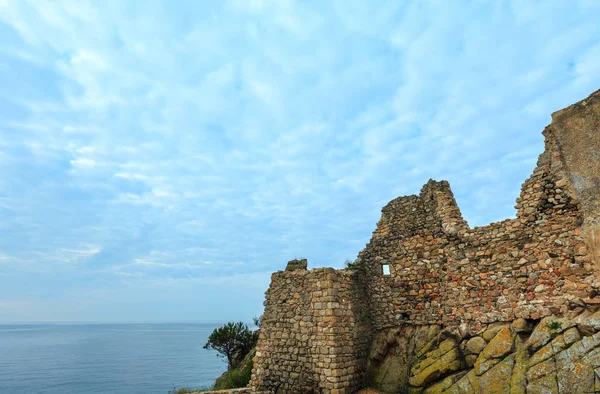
[[551, 356]]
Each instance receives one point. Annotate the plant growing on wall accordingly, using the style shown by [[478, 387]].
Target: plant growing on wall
[[555, 325], [350, 265], [232, 341]]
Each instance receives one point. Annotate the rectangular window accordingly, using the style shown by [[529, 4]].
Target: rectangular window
[[385, 269]]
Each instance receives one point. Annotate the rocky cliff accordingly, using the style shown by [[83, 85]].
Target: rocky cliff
[[551, 355]]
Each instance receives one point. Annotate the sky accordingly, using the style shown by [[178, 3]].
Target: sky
[[159, 160]]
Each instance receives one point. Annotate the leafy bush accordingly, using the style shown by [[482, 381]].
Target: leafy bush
[[233, 341]]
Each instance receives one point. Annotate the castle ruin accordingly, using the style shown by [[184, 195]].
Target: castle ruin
[[432, 305]]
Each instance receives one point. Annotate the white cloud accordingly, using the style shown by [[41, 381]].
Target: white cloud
[[83, 162], [127, 175]]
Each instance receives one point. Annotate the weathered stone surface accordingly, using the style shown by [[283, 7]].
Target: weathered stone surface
[[548, 328], [389, 376], [500, 345], [576, 130], [518, 380], [548, 351], [492, 330], [588, 319], [575, 368], [404, 349], [565, 364], [482, 365], [497, 379], [294, 265], [435, 363], [445, 384], [545, 385], [521, 326], [571, 335], [470, 360], [448, 363], [476, 345], [540, 370]]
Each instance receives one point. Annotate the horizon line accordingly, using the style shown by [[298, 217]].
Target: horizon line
[[113, 322]]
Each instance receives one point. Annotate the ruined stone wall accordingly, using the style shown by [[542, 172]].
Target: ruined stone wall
[[312, 338], [449, 285], [577, 134], [442, 272]]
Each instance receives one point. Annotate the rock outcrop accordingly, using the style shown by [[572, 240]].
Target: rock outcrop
[[552, 355]]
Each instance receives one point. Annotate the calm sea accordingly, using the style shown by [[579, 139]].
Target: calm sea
[[105, 358]]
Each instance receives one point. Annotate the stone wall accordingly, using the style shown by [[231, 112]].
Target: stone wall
[[576, 130], [455, 289], [312, 338], [443, 272]]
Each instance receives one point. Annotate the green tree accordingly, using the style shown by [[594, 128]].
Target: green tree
[[233, 341]]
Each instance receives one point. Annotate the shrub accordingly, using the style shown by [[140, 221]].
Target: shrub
[[233, 341]]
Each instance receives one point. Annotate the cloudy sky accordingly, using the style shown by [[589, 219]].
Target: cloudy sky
[[158, 160]]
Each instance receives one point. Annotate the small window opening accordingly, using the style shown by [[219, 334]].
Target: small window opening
[[385, 269]]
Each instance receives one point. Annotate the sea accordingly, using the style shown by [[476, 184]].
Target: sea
[[106, 358]]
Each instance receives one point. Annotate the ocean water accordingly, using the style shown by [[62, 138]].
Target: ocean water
[[106, 358]]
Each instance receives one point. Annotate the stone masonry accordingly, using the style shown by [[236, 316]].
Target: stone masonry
[[333, 331], [310, 340]]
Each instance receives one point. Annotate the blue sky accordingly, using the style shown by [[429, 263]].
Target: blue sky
[[159, 161]]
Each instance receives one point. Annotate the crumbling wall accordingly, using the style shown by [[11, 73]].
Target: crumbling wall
[[541, 263], [313, 338], [447, 281], [576, 130]]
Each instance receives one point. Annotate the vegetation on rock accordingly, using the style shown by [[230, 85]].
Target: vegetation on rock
[[237, 377]]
